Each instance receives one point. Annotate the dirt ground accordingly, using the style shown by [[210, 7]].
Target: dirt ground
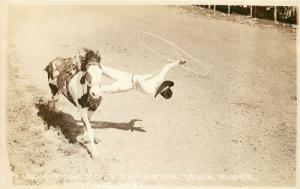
[[237, 126]]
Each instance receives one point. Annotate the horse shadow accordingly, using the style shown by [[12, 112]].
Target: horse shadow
[[68, 126]]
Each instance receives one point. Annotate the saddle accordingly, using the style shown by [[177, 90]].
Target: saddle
[[66, 71]]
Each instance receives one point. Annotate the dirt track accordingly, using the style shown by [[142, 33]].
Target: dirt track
[[238, 121]]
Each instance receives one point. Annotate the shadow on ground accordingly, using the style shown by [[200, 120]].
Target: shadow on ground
[[69, 127]]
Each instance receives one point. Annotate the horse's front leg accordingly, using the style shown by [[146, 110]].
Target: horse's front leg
[[85, 119], [85, 137], [90, 113]]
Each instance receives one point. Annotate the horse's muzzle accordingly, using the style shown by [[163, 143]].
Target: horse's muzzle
[[95, 92]]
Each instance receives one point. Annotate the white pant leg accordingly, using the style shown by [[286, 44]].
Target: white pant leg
[[163, 72], [149, 83]]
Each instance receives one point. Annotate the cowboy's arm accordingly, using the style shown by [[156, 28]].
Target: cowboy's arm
[[116, 87], [114, 73]]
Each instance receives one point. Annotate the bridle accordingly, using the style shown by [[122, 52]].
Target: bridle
[[93, 63], [88, 85]]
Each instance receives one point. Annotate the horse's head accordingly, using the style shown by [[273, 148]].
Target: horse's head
[[90, 65], [89, 56], [93, 78]]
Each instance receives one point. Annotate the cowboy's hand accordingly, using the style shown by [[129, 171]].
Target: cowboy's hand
[[182, 61]]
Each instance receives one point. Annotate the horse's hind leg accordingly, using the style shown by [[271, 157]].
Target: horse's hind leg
[[54, 92]]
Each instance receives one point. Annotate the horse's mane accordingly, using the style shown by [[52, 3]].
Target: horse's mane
[[90, 56]]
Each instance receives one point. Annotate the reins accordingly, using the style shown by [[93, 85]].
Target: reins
[[93, 63]]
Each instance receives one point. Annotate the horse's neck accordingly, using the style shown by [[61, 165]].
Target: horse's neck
[[75, 85]]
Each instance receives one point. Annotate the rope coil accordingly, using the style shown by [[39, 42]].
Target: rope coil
[[176, 49]]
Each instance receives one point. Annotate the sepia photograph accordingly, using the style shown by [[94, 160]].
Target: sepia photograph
[[148, 94]]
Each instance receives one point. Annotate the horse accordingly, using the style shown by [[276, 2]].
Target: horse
[[78, 79]]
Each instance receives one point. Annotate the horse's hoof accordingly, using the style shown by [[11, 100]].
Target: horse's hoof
[[96, 140], [95, 153], [84, 139]]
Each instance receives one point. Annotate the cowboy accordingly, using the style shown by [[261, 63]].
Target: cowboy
[[152, 84]]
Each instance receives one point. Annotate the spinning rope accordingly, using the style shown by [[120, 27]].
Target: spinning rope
[[176, 50]]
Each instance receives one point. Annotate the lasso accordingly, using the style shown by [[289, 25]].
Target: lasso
[[176, 51]]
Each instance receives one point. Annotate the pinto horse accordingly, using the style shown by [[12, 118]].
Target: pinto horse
[[81, 86]]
